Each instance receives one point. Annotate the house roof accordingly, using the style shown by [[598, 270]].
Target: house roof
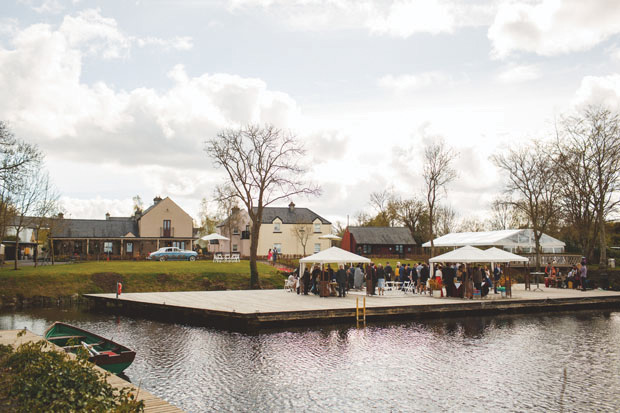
[[503, 238], [288, 216], [382, 235], [95, 228]]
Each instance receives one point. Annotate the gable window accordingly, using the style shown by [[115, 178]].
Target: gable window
[[166, 228], [317, 227], [317, 247], [129, 247], [107, 247], [235, 231], [276, 227]]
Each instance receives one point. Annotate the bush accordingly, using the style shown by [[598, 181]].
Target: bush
[[33, 379]]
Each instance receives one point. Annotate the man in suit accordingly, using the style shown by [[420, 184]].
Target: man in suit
[[341, 279]]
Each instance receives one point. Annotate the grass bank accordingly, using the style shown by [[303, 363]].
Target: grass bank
[[64, 280]]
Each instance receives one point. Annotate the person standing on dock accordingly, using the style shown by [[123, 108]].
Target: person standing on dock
[[380, 279], [341, 279], [305, 281]]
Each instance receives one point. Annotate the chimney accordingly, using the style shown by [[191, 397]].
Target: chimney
[[61, 215], [291, 207], [234, 210], [156, 200], [107, 216]]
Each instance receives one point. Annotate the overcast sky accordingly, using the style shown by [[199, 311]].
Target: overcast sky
[[121, 94]]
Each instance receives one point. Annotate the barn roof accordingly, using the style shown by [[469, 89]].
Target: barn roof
[[382, 235]]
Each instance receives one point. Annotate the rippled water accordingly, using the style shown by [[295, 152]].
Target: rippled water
[[555, 363]]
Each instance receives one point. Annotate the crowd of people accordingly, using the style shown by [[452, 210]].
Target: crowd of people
[[458, 280], [576, 278]]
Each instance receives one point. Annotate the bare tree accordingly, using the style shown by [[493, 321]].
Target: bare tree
[[594, 136], [15, 156], [438, 173], [46, 209], [412, 213], [228, 207], [533, 180], [207, 221], [263, 167], [302, 233], [445, 220], [31, 193], [384, 204], [504, 215], [473, 225], [138, 205]]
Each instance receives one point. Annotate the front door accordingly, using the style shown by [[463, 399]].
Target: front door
[[166, 233]]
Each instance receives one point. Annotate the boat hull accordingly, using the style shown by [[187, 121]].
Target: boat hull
[[105, 353]]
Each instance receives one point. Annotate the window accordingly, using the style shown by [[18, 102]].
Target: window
[[317, 248], [235, 231], [235, 248], [367, 249], [317, 227], [276, 227], [107, 247], [398, 249], [278, 247], [129, 247], [179, 244], [247, 228]]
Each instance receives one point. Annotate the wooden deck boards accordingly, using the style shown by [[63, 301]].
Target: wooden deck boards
[[272, 306], [152, 403], [265, 301]]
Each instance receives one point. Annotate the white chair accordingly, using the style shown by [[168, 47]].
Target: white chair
[[226, 257], [217, 257], [235, 258], [408, 287]]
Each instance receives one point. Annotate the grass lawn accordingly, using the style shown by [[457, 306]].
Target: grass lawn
[[136, 276]]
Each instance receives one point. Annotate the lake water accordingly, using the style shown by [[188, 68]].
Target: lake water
[[554, 363]]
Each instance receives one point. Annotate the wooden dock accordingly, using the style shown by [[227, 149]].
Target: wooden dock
[[152, 403], [247, 310]]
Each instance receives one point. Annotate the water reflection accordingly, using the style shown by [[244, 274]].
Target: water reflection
[[559, 362]]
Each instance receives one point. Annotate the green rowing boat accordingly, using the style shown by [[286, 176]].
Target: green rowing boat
[[105, 353]]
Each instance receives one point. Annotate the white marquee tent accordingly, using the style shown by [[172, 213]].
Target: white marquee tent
[[510, 239], [497, 255], [333, 255], [464, 255]]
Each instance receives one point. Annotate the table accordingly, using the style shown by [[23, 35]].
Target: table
[[536, 274]]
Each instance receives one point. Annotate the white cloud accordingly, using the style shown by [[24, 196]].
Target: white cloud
[[44, 6], [519, 73], [398, 18], [403, 83], [599, 90], [45, 100], [553, 27], [178, 43], [96, 208]]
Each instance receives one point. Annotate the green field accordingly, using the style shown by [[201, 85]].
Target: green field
[[137, 276]]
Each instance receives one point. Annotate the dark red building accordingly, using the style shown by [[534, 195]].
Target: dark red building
[[378, 241]]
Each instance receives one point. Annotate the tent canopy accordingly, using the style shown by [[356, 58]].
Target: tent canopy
[[497, 255], [214, 236], [509, 238], [462, 255], [334, 255]]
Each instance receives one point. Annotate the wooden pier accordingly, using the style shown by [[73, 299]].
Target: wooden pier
[[152, 403], [247, 310]]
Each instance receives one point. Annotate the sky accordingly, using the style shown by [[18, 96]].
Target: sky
[[121, 95]]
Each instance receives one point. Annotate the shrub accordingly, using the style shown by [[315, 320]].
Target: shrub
[[33, 379]]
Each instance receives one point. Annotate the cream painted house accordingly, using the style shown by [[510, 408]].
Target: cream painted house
[[283, 228]]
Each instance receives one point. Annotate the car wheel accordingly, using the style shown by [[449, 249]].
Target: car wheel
[[162, 258], [192, 258]]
